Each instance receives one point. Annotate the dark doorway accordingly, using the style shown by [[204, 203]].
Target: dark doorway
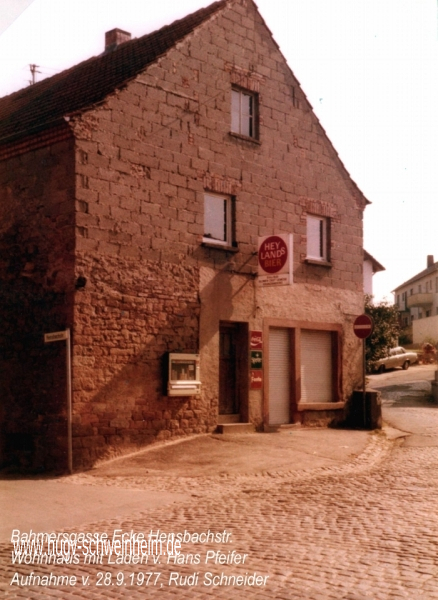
[[233, 368]]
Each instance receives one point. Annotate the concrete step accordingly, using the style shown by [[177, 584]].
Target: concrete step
[[235, 428], [221, 419]]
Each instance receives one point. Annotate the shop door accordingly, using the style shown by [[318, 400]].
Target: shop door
[[228, 390]]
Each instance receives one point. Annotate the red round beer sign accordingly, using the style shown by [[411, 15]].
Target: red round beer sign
[[363, 326], [273, 254]]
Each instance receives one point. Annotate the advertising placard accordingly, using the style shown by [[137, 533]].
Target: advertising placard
[[256, 340], [275, 259], [256, 380], [256, 359]]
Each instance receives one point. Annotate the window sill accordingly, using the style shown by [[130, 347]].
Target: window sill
[[245, 138], [319, 263], [220, 247]]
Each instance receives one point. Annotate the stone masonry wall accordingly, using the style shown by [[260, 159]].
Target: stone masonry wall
[[126, 318], [36, 288]]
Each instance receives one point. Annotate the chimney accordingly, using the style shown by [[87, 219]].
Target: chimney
[[114, 38], [430, 260]]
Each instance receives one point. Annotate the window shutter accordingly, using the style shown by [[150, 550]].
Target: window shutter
[[279, 376], [235, 111], [313, 237], [316, 366]]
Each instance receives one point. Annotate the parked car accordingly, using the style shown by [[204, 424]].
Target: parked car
[[397, 357]]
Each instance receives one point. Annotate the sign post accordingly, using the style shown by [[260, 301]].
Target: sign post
[[363, 327], [58, 336]]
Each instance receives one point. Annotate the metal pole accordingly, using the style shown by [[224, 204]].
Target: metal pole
[[69, 404], [363, 386]]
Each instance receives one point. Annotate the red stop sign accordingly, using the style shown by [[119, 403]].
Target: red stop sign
[[363, 326], [273, 254]]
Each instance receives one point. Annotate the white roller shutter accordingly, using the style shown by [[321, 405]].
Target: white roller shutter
[[316, 366], [279, 376]]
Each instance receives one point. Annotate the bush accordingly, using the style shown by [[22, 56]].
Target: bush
[[385, 333], [404, 338]]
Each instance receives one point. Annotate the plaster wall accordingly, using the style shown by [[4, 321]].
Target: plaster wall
[[425, 329], [230, 297]]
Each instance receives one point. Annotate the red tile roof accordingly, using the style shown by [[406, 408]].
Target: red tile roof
[[44, 104]]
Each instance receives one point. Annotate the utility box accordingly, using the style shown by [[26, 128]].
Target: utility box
[[368, 417], [183, 377]]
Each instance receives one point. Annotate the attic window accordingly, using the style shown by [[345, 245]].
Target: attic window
[[244, 108]]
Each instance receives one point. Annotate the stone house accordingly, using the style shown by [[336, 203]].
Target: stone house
[[417, 302], [134, 189]]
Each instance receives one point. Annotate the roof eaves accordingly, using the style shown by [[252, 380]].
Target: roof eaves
[[53, 93], [419, 276], [375, 263]]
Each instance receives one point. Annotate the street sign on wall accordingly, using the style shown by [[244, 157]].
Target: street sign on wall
[[56, 336]]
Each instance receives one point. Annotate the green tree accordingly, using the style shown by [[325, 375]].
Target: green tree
[[385, 333]]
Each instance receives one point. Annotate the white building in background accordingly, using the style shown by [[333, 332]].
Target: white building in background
[[417, 301], [370, 267]]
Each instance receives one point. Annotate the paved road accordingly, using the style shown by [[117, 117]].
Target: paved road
[[366, 529]]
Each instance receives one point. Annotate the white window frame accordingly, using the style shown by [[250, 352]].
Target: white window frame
[[218, 219], [317, 238], [244, 113]]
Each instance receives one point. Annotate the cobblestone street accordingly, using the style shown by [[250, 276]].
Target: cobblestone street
[[365, 530]]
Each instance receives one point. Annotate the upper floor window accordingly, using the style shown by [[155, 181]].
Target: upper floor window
[[244, 113], [317, 238], [218, 215]]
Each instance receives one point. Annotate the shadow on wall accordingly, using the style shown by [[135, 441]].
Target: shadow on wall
[[126, 318], [32, 377], [219, 299], [130, 412]]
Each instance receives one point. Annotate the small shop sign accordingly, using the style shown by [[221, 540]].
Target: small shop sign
[[256, 340], [256, 359], [256, 380]]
